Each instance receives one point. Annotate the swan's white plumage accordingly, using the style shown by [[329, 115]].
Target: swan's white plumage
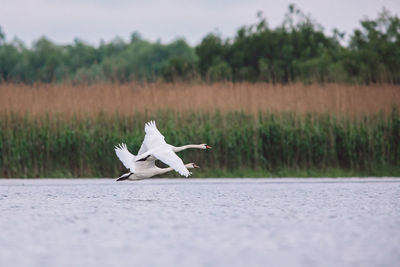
[[126, 157], [169, 157], [154, 144], [152, 135]]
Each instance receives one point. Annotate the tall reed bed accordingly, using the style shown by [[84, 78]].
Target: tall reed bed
[[251, 98], [267, 143]]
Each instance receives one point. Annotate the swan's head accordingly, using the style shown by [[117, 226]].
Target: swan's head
[[193, 165], [205, 146]]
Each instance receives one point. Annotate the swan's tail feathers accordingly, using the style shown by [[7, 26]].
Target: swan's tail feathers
[[124, 176]]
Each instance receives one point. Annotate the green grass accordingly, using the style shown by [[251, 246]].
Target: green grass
[[268, 145], [388, 171]]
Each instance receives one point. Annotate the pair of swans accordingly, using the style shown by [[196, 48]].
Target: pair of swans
[[153, 148]]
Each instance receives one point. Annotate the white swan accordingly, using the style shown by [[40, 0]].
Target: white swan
[[144, 169], [153, 147], [154, 138]]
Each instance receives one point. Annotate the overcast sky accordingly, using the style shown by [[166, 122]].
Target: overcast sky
[[94, 20]]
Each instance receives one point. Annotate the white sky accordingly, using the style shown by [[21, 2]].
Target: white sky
[[94, 20]]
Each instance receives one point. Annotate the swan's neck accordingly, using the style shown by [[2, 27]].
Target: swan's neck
[[180, 148], [164, 170]]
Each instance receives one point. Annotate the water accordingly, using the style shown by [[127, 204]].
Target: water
[[187, 222]]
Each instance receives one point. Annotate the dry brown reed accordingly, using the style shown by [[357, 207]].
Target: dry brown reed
[[128, 99]]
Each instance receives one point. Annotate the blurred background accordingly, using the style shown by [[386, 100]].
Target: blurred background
[[295, 88]]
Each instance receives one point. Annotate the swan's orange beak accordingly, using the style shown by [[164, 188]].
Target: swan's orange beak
[[208, 147], [195, 166]]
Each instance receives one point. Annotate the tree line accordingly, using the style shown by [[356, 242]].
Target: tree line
[[297, 50]]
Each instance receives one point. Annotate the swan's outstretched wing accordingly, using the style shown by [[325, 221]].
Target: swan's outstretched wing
[[143, 149], [126, 157], [154, 144], [169, 157], [151, 129], [152, 139], [152, 135]]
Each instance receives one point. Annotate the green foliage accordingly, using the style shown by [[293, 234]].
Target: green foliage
[[297, 50], [2, 36], [268, 144], [220, 71], [375, 50], [117, 61], [210, 51], [178, 69]]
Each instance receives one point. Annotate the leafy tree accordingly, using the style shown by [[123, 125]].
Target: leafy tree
[[178, 69], [2, 36], [375, 50], [210, 50], [296, 50]]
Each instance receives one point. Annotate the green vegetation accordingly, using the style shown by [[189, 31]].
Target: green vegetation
[[268, 144], [297, 50]]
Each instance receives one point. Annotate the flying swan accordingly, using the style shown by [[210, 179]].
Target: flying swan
[[153, 148]]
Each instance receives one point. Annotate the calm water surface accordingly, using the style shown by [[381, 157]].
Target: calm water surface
[[187, 222]]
